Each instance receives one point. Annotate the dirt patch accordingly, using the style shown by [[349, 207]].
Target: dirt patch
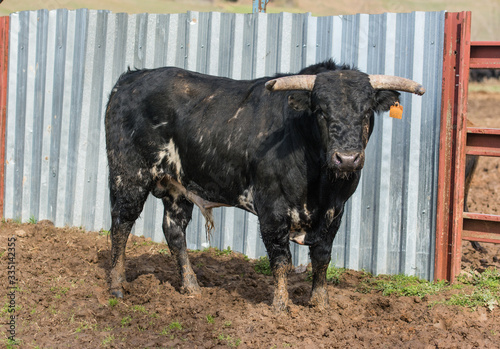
[[62, 298], [63, 301]]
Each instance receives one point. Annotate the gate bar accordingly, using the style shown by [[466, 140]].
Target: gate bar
[[485, 54]]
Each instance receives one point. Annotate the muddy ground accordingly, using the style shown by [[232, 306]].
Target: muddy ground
[[62, 298]]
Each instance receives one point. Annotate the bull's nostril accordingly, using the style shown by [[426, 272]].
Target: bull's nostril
[[355, 159], [347, 161], [337, 158]]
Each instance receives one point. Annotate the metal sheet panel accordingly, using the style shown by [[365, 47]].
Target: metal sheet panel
[[65, 63]]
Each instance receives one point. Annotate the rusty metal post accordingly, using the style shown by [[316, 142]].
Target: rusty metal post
[[452, 145], [4, 60], [259, 6]]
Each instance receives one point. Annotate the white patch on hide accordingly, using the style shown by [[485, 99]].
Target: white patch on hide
[[118, 181], [169, 153], [167, 220], [294, 219], [174, 158], [245, 200], [160, 124], [235, 116]]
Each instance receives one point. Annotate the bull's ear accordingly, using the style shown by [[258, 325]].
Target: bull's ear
[[384, 99], [300, 101]]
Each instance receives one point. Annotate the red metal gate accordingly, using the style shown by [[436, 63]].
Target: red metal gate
[[456, 140]]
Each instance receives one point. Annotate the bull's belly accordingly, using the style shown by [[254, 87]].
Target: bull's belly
[[169, 186]]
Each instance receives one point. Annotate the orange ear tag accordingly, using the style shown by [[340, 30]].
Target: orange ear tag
[[396, 111]]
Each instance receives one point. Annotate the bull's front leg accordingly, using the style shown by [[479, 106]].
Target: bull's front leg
[[321, 255], [320, 259], [278, 249]]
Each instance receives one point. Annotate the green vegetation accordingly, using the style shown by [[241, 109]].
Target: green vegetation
[[485, 293], [477, 289], [478, 298], [164, 251], [106, 341], [210, 319], [32, 220], [175, 326], [490, 86], [113, 302], [139, 308], [262, 266], [59, 291], [334, 274], [125, 321], [230, 341], [104, 232], [217, 252], [85, 326], [226, 252], [12, 344], [401, 285]]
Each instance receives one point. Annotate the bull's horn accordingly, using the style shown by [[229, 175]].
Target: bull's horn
[[293, 82], [387, 82]]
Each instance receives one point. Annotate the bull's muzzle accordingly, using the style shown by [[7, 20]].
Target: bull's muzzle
[[348, 161]]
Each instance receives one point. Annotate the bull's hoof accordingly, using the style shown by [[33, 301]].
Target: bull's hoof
[[298, 237], [117, 293], [280, 308], [191, 290], [319, 300]]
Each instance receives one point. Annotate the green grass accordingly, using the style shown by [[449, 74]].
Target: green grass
[[125, 321], [401, 285], [164, 251], [106, 341], [262, 266], [226, 252], [12, 344], [175, 326], [210, 319], [139, 308], [104, 232], [478, 298], [59, 291], [333, 274], [490, 86], [32, 220], [113, 302], [485, 293], [476, 289], [230, 341], [485, 25]]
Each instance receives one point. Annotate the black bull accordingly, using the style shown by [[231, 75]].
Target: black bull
[[288, 149]]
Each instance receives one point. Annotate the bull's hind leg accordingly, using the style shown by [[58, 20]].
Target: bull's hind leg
[[177, 214], [126, 206]]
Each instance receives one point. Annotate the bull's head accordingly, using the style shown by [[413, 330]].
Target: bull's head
[[344, 102]]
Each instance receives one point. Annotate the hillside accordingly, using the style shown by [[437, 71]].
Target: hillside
[[485, 24]]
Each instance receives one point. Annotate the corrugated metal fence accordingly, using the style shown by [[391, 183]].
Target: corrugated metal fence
[[63, 64]]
